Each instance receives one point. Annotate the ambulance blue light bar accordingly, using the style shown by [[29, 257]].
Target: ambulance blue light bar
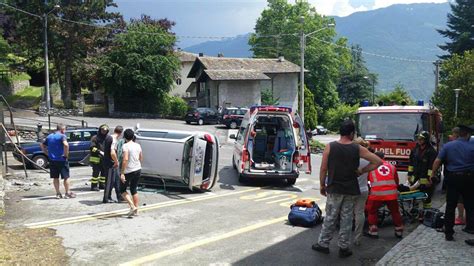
[[421, 103], [271, 109], [365, 103]]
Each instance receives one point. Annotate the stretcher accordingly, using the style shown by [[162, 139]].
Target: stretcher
[[409, 203]]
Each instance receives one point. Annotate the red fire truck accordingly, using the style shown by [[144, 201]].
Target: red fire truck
[[393, 129]]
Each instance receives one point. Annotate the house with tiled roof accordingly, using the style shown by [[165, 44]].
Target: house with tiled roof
[[182, 82], [224, 82]]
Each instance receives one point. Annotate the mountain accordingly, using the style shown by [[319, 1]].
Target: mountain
[[232, 47], [397, 31]]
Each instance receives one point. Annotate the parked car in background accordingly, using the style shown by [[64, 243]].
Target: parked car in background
[[271, 143], [232, 116], [319, 130], [79, 144], [201, 116], [187, 157]]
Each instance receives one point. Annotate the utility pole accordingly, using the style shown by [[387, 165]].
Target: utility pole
[[456, 91], [46, 63], [437, 64], [302, 44]]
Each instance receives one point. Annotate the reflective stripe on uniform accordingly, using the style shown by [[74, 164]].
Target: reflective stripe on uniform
[[424, 181], [427, 205], [94, 180], [430, 172], [383, 183], [374, 176], [94, 149], [102, 179], [94, 160], [384, 192], [411, 168]]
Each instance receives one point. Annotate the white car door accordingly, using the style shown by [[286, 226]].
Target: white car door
[[303, 147]]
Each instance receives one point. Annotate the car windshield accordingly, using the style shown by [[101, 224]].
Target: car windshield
[[391, 126]]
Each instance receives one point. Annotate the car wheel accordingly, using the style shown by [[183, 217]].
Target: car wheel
[[291, 181], [40, 160], [233, 163], [243, 179], [233, 125], [188, 122], [200, 122]]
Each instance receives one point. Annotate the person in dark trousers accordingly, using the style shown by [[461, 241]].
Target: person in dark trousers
[[341, 162], [419, 169], [130, 171], [116, 136], [57, 148], [458, 157], [96, 159], [109, 163]]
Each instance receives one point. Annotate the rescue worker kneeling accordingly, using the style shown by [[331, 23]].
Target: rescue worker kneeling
[[383, 190]]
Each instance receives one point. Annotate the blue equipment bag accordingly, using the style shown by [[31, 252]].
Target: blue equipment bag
[[306, 216]]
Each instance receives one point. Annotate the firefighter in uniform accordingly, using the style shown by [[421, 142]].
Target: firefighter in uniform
[[97, 153], [419, 169], [383, 189]]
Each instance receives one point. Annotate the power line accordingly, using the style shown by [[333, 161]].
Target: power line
[[218, 37], [20, 10]]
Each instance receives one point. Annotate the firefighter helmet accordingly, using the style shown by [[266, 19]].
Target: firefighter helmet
[[424, 135]]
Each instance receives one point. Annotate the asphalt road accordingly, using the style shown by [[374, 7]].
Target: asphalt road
[[242, 224]]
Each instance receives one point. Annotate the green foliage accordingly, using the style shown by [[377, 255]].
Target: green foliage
[[21, 76], [178, 107], [396, 97], [141, 65], [28, 97], [316, 145], [268, 99], [310, 111], [321, 60], [458, 73], [337, 115], [356, 83], [460, 31]]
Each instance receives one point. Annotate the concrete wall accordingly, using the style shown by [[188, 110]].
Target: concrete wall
[[180, 90], [239, 93], [285, 87]]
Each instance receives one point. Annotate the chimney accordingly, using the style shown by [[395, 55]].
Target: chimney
[[281, 58], [201, 54], [220, 55]]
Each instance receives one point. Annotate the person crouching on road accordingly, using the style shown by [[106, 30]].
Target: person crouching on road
[[384, 190], [57, 148], [359, 206], [341, 162], [131, 169]]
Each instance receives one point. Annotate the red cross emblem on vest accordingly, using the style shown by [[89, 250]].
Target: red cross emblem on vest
[[383, 170]]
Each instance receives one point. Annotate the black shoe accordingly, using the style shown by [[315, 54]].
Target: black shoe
[[470, 242], [95, 189], [109, 201], [469, 231], [319, 248], [449, 237], [345, 252]]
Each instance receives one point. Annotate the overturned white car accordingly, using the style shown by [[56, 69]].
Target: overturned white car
[[187, 157]]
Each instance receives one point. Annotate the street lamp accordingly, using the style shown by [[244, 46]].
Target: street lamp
[[303, 37], [456, 91], [46, 63], [373, 88]]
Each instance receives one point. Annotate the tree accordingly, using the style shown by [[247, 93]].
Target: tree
[[337, 115], [141, 67], [355, 83], [69, 42], [310, 110], [277, 33], [458, 73], [398, 96], [268, 99], [459, 31]]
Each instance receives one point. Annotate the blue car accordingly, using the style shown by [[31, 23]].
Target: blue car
[[79, 143]]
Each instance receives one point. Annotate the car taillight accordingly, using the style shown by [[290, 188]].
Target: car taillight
[[296, 157], [205, 185], [208, 138], [196, 114], [225, 116]]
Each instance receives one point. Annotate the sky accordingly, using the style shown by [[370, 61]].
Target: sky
[[233, 17]]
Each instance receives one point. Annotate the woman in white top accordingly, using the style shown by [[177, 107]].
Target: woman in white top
[[130, 171], [359, 206]]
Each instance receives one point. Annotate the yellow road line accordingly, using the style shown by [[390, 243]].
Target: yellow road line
[[203, 242], [102, 215], [291, 196], [272, 197]]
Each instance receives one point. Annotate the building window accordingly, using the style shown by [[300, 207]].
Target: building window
[[178, 81]]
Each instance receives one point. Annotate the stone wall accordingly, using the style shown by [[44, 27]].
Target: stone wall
[[7, 89], [78, 111]]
